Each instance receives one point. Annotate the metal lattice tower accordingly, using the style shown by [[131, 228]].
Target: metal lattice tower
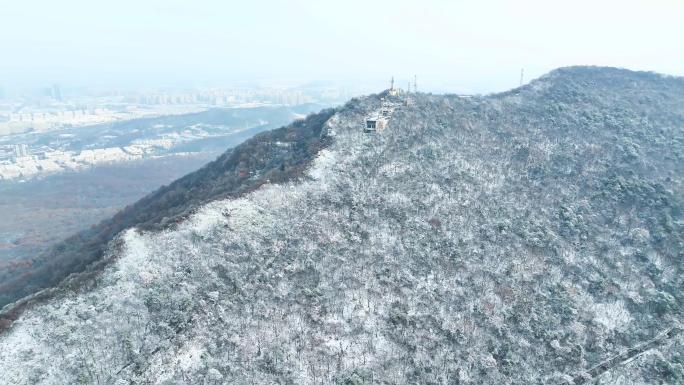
[[522, 74]]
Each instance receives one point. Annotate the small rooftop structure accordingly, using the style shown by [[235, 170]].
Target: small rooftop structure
[[378, 119], [375, 123]]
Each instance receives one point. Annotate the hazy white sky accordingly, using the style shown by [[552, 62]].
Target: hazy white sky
[[451, 45]]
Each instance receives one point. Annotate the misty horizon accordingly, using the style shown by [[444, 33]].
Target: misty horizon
[[465, 48]]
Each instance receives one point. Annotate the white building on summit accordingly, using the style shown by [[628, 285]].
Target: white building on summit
[[379, 119], [392, 91]]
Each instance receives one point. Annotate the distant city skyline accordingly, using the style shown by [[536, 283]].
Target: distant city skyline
[[129, 44]]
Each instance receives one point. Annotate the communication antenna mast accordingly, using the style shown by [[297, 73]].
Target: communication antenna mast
[[522, 73], [392, 84], [415, 83], [408, 90]]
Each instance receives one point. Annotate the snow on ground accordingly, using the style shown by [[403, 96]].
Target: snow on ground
[[404, 256]]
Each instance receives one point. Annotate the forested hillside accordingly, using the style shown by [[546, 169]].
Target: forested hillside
[[529, 237], [273, 156]]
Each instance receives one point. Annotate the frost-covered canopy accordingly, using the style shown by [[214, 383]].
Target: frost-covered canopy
[[519, 238]]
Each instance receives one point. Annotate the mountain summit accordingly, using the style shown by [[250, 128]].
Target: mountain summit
[[528, 237]]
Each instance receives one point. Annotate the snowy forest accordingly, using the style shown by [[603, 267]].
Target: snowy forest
[[528, 237]]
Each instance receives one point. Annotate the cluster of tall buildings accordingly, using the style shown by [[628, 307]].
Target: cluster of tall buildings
[[14, 152], [54, 92], [222, 97], [21, 150]]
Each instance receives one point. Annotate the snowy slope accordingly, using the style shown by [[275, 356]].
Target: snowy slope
[[516, 238]]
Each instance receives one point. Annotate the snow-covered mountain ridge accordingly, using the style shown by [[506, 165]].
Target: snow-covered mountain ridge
[[517, 238]]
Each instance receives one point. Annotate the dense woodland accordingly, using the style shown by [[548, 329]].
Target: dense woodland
[[529, 237]]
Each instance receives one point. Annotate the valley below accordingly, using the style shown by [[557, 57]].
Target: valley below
[[67, 181], [42, 211]]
